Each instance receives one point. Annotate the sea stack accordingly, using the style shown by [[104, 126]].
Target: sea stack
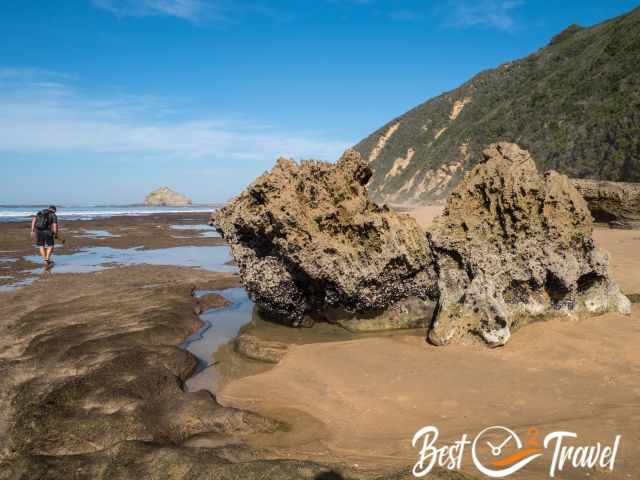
[[165, 197]]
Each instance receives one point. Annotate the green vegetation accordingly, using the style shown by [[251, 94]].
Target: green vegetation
[[575, 105]]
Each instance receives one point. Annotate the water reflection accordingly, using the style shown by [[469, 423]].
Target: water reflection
[[98, 234], [93, 259], [220, 326]]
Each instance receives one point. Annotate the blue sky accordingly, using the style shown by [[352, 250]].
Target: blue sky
[[103, 100]]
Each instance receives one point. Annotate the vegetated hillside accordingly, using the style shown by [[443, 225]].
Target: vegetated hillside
[[574, 104]]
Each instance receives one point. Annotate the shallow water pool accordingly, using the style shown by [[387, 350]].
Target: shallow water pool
[[220, 326], [98, 234], [204, 230], [93, 259]]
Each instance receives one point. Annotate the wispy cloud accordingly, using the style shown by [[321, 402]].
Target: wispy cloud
[[191, 10], [194, 11], [45, 114], [9, 73], [483, 13]]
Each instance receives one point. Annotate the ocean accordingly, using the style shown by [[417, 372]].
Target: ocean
[[20, 213]]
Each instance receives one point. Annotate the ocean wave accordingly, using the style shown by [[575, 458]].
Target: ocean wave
[[15, 214]]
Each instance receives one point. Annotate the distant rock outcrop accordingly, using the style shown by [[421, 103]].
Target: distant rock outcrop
[[615, 203], [308, 240], [513, 245], [165, 197]]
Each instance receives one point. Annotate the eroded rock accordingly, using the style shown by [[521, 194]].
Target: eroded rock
[[307, 239], [133, 459], [209, 301], [96, 366], [261, 350], [615, 203], [513, 245]]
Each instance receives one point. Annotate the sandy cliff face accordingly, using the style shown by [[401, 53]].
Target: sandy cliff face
[[511, 246], [166, 197]]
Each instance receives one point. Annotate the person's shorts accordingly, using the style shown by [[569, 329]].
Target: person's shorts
[[44, 238]]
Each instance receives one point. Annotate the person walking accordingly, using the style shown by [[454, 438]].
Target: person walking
[[44, 229]]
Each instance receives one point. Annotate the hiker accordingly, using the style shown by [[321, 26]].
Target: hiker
[[44, 228]]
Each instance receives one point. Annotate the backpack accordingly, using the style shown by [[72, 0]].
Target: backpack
[[43, 220]]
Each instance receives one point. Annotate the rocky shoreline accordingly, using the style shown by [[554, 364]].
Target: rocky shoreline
[[148, 232], [93, 381], [102, 395]]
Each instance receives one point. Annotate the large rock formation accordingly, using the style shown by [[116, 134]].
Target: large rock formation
[[616, 203], [513, 245], [308, 240], [165, 197]]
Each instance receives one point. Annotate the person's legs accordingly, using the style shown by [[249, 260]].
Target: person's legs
[[40, 242], [49, 242]]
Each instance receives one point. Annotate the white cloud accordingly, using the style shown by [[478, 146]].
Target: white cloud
[[8, 73], [191, 10], [484, 13], [194, 11], [44, 114]]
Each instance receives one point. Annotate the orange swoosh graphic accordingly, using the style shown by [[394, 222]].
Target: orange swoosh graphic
[[515, 457]]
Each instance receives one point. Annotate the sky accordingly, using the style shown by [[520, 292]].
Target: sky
[[102, 101]]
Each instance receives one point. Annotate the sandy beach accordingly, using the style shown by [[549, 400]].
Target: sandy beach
[[95, 366], [371, 395], [94, 358], [330, 240]]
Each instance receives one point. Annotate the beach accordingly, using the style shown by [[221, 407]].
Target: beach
[[97, 357], [98, 352], [299, 241], [372, 394]]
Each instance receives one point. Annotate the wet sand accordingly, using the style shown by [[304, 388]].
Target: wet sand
[[19, 257], [94, 371], [95, 361], [367, 397]]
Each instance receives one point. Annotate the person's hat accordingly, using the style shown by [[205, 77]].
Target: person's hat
[[52, 208]]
